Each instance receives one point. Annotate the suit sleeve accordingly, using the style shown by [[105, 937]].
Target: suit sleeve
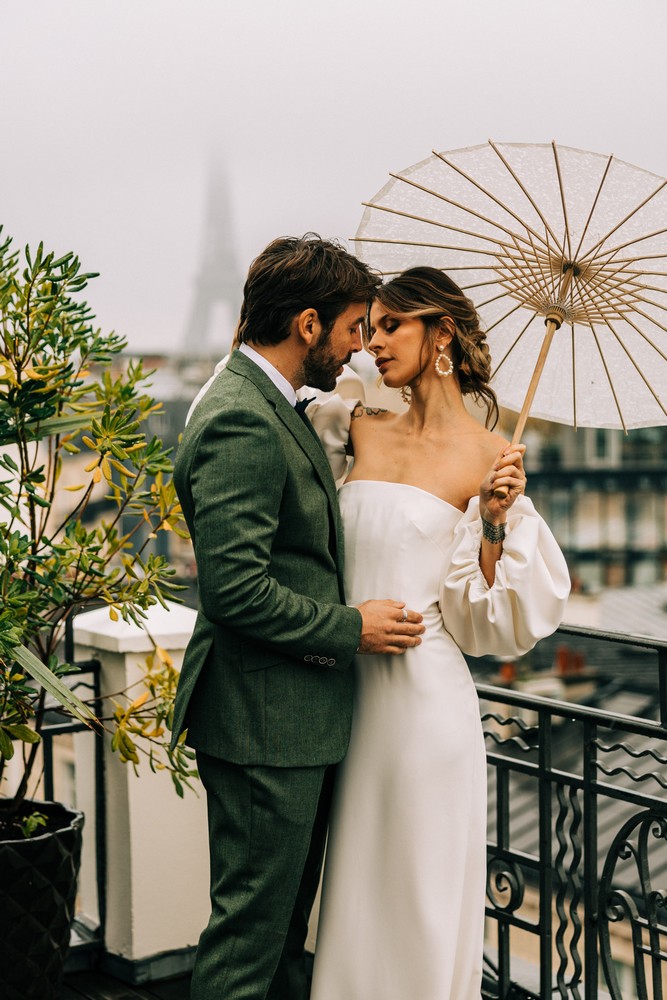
[[238, 476]]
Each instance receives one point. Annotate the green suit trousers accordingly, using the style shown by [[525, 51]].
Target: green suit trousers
[[267, 831]]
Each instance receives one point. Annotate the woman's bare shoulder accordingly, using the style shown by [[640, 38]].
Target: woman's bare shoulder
[[482, 450], [496, 442]]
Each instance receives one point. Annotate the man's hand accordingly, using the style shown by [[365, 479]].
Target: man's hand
[[386, 629]]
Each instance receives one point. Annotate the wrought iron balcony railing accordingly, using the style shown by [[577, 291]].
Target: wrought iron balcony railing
[[577, 853]]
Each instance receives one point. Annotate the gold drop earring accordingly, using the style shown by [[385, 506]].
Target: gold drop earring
[[438, 358]]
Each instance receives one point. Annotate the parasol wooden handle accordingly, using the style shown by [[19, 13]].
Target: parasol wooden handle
[[553, 322]]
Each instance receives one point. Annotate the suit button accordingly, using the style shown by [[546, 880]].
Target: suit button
[[308, 658], [331, 662], [323, 659]]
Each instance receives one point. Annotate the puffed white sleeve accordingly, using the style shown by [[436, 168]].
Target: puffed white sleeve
[[529, 594], [331, 419], [330, 414]]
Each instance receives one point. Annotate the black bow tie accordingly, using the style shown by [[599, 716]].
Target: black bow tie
[[301, 404]]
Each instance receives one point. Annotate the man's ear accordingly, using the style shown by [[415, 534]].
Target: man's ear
[[308, 326]]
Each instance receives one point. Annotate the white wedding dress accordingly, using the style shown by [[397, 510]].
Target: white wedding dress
[[403, 897]]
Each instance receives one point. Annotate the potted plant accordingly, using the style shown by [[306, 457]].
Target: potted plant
[[83, 492]]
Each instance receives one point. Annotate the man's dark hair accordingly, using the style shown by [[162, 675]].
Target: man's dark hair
[[297, 273]]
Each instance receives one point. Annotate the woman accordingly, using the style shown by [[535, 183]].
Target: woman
[[403, 901]]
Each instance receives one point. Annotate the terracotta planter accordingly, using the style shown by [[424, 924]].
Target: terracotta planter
[[38, 880]]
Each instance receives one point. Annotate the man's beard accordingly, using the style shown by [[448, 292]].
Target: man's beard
[[320, 367]]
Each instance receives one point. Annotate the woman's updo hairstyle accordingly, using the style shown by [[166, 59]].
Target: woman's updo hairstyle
[[429, 294]]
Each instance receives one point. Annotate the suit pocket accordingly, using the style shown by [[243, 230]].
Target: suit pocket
[[253, 657]]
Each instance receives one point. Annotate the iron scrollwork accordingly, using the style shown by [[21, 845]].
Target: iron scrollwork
[[646, 911], [505, 885]]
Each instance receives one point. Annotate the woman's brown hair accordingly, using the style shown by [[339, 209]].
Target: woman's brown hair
[[428, 294]]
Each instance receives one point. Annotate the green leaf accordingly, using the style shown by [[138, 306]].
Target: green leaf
[[56, 425], [33, 666], [24, 733], [6, 745]]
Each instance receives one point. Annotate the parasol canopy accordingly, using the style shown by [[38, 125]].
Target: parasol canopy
[[564, 254]]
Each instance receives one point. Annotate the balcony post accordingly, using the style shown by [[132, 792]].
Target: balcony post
[[157, 845]]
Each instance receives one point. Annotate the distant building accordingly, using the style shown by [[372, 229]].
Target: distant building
[[604, 495]]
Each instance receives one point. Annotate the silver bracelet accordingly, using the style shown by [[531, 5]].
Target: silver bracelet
[[494, 533]]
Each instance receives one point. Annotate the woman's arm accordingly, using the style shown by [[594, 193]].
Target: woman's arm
[[507, 470]]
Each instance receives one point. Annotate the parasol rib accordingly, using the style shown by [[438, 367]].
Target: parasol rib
[[456, 204], [513, 345], [648, 288], [617, 292], [503, 318], [478, 284], [645, 256], [618, 225], [605, 280], [626, 318], [528, 264], [547, 278], [593, 206], [652, 274], [454, 267], [644, 337], [641, 373], [443, 225], [492, 197], [630, 243], [487, 302], [609, 379], [528, 196], [566, 241], [634, 297], [648, 339], [431, 246], [598, 302]]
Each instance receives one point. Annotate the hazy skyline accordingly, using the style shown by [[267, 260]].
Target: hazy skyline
[[114, 110]]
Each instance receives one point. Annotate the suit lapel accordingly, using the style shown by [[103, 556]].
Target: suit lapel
[[301, 429]]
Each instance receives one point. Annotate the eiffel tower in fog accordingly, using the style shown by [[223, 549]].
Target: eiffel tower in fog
[[218, 284]]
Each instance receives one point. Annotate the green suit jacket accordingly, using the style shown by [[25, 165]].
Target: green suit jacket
[[266, 677]]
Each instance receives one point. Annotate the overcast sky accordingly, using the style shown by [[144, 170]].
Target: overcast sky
[[112, 111]]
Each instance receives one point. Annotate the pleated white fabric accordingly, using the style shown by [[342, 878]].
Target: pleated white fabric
[[403, 899]]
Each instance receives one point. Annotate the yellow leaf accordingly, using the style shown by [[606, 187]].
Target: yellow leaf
[[97, 475], [138, 702], [91, 465], [113, 614], [106, 468], [121, 468], [79, 486], [89, 442], [164, 656]]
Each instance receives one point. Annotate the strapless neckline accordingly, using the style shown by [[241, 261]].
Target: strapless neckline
[[404, 486]]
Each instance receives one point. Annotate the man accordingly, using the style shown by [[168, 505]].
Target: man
[[266, 685]]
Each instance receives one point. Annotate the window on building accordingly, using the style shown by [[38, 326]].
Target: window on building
[[588, 520]]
